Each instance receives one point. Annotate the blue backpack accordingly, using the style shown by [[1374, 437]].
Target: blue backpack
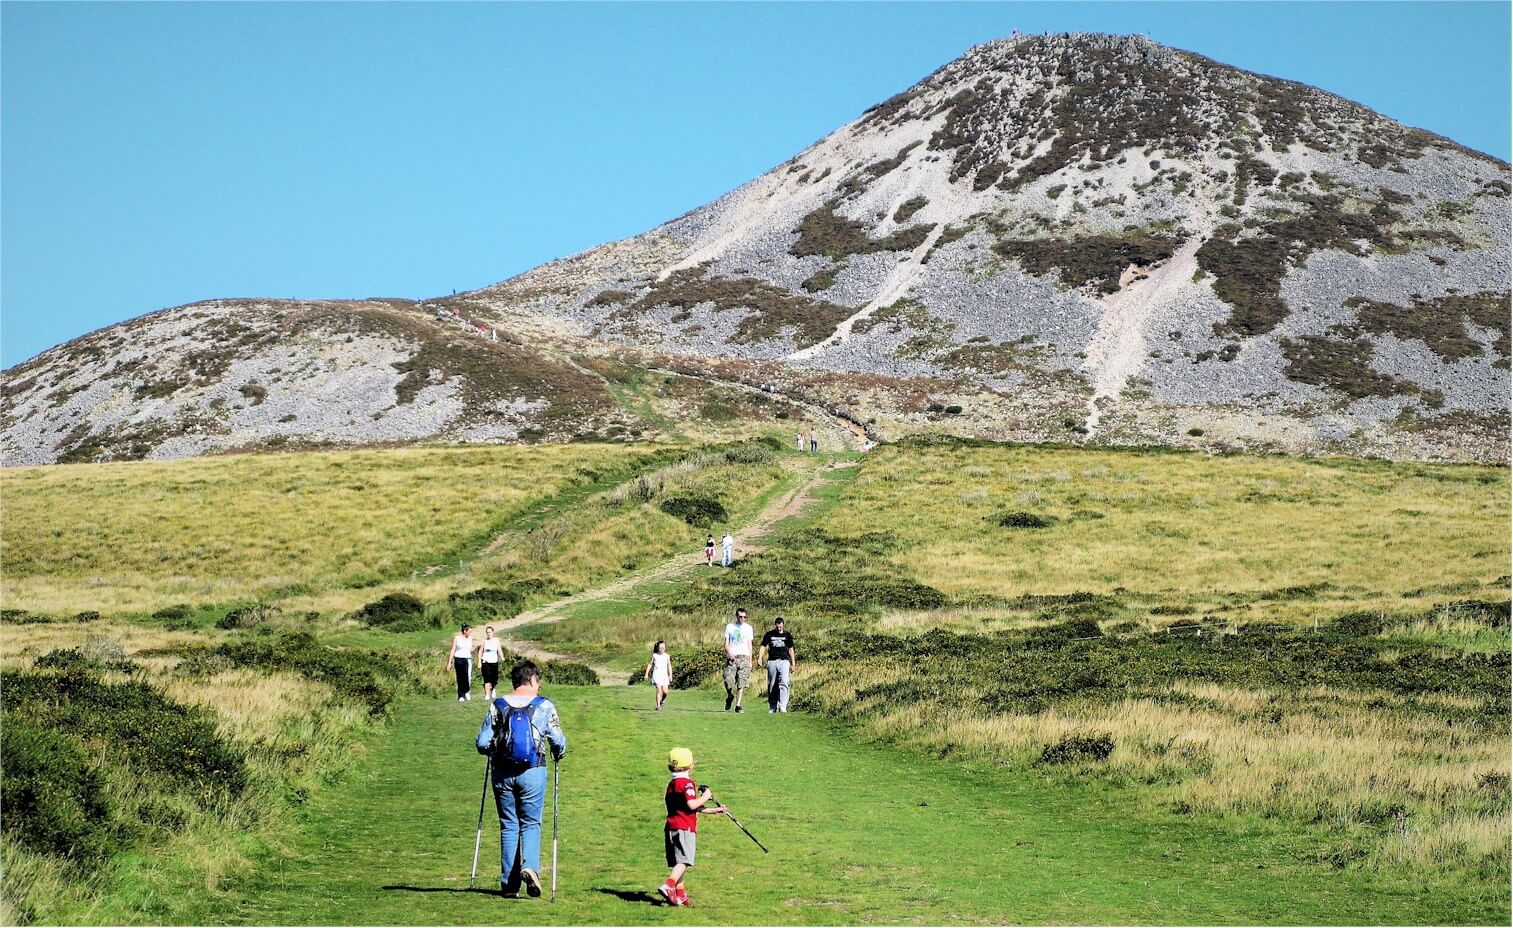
[[515, 734]]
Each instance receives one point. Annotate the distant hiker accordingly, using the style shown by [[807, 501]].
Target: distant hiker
[[489, 653], [659, 671], [526, 724], [737, 676], [709, 551], [685, 800], [814, 441], [801, 441], [780, 658], [728, 554], [461, 654]]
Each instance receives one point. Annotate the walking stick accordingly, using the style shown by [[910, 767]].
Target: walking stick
[[743, 828], [478, 840], [556, 789]]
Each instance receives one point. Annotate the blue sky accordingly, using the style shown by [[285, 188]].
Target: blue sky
[[156, 154]]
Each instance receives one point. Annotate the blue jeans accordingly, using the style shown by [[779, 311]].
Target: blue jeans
[[725, 558], [519, 798]]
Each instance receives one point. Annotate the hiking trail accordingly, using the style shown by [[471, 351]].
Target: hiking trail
[[784, 505]]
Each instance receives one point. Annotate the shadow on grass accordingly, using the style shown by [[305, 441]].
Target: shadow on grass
[[441, 889], [631, 895]]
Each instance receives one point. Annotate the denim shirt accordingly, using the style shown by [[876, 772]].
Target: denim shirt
[[544, 720]]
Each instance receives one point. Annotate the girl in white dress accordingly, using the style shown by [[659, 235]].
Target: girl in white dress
[[659, 671]]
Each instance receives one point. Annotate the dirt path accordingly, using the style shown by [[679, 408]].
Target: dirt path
[[748, 537]]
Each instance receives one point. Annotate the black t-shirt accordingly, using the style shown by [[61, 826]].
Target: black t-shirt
[[778, 644]]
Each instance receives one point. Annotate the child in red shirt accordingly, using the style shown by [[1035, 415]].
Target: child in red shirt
[[685, 800]]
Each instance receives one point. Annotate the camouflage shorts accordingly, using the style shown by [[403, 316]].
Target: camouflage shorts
[[737, 675]]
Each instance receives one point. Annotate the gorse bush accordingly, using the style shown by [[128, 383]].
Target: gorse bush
[[369, 677], [699, 512], [54, 795], [248, 616], [397, 612], [1078, 749], [1019, 519], [137, 725]]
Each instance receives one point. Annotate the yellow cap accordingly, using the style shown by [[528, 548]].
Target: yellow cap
[[679, 759]]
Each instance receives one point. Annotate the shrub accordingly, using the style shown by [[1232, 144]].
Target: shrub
[[690, 673], [697, 511], [567, 673], [54, 797], [248, 616], [136, 723], [752, 452], [1078, 749], [953, 410], [1020, 519], [178, 611], [487, 604], [396, 612], [370, 677], [1196, 433], [87, 617]]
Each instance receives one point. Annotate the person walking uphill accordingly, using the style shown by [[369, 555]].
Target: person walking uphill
[[738, 635], [519, 729], [780, 658]]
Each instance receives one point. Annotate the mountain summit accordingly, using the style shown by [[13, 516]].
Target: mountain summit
[[1069, 237]]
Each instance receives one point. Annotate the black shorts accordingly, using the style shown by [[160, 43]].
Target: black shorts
[[491, 673]]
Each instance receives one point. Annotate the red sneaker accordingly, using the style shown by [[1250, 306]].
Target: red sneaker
[[683, 897], [670, 893]]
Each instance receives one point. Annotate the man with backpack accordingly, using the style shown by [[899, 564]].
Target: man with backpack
[[517, 733]]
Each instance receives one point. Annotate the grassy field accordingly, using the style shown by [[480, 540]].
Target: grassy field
[[1166, 684], [133, 537], [859, 835], [1373, 594]]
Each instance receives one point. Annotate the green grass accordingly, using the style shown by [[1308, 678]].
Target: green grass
[[859, 834], [138, 536]]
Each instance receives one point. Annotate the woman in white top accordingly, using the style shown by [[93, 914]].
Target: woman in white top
[[659, 671], [489, 653], [461, 654]]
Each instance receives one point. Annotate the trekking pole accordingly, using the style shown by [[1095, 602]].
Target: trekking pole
[[478, 840], [556, 790], [742, 827]]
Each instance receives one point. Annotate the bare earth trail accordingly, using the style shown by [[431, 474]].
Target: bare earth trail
[[784, 505]]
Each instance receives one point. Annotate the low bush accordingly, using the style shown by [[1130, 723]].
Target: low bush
[[370, 677], [397, 612], [248, 616], [1020, 519], [567, 673], [53, 793], [698, 511], [1078, 749]]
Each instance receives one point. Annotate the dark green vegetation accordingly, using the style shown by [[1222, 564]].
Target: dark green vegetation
[[966, 843], [824, 232], [1441, 323], [1343, 365], [1096, 260], [1248, 269], [772, 308], [908, 208], [697, 511]]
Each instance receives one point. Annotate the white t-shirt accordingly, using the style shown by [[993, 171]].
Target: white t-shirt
[[462, 646], [490, 652], [738, 638], [727, 541]]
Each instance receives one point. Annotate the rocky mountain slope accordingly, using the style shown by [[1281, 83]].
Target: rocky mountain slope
[[1069, 237]]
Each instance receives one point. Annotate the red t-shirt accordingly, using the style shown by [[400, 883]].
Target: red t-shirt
[[680, 791]]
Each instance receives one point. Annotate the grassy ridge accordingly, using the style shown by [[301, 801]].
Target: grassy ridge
[[138, 536]]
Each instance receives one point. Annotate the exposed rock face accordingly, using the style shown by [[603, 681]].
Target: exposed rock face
[[253, 374], [1074, 237]]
